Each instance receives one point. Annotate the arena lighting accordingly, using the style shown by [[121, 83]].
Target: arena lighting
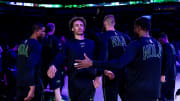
[[147, 16], [161, 1], [51, 6], [115, 4], [135, 2], [12, 3], [85, 5], [29, 4], [19, 3]]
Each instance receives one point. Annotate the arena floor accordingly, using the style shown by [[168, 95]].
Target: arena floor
[[99, 92]]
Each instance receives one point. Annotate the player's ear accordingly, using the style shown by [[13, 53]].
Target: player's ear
[[72, 29]]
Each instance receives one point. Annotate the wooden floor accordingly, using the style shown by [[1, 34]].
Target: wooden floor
[[177, 86], [99, 92]]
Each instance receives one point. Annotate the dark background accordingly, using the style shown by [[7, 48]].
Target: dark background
[[16, 21]]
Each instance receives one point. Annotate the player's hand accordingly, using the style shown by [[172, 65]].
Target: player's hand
[[83, 63], [58, 94], [109, 74], [163, 79], [97, 82], [51, 71], [30, 95]]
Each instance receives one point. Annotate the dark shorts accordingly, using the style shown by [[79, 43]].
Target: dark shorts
[[81, 94], [111, 88], [167, 90], [55, 82]]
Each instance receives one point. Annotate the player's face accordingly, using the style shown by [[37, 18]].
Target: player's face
[[136, 30], [161, 40], [105, 23], [41, 32], [78, 27]]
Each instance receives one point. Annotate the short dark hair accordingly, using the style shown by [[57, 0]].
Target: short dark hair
[[144, 23], [49, 27], [162, 35], [37, 26], [75, 19]]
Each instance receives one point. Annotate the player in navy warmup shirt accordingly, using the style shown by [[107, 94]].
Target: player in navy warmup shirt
[[50, 48], [169, 68], [143, 61], [29, 84], [113, 44], [81, 83]]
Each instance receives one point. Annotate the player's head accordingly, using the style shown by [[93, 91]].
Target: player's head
[[38, 29], [109, 21], [77, 25], [163, 38], [142, 24]]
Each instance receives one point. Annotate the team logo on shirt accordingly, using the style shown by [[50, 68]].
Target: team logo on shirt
[[150, 51], [23, 50], [118, 41], [82, 44], [58, 81]]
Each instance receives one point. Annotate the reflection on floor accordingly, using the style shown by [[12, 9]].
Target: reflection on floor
[[99, 92], [177, 86]]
